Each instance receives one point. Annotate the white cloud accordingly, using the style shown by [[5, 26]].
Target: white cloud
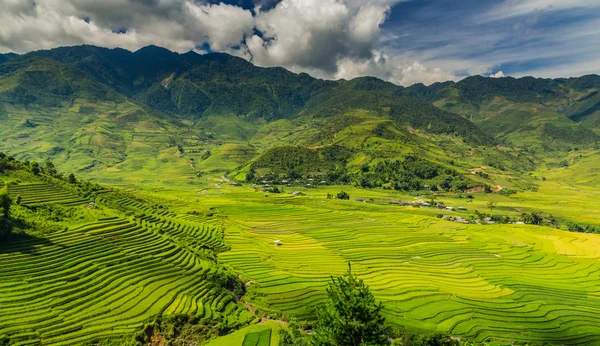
[[396, 70], [498, 74], [515, 8], [175, 24], [327, 38]]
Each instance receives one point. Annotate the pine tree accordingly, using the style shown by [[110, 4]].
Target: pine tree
[[351, 315]]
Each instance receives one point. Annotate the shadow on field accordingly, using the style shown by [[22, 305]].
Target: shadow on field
[[22, 243]]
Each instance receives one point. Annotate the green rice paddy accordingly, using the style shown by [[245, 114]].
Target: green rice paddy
[[107, 278], [494, 283]]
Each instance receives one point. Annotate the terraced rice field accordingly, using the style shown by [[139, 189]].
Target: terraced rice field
[[483, 282], [39, 194], [107, 278]]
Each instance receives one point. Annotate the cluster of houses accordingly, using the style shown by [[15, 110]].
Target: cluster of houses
[[422, 203], [265, 184]]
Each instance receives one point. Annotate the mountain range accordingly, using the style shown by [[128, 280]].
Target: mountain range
[[95, 109]]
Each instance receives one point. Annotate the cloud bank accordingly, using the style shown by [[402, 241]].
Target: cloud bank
[[326, 38]]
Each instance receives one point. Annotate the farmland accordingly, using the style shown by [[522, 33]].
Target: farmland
[[204, 193], [480, 282], [146, 252], [106, 278]]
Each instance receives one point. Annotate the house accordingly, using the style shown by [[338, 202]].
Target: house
[[395, 202], [277, 242], [323, 182], [404, 203], [461, 208], [461, 220], [450, 208], [425, 204], [360, 200]]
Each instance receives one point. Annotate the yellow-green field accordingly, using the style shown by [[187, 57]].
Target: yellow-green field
[[496, 283], [483, 282]]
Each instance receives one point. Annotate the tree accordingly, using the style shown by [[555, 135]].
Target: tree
[[447, 183], [426, 340], [49, 168], [535, 218], [71, 179], [5, 202], [35, 168], [251, 174], [343, 195], [351, 315], [491, 205], [487, 188], [461, 185]]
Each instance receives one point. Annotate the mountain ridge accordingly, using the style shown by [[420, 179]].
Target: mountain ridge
[[95, 109]]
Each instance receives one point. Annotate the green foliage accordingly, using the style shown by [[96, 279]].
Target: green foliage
[[423, 339], [251, 174], [538, 218], [575, 135], [228, 280], [410, 174], [35, 168], [574, 227], [296, 162], [180, 330], [351, 316], [294, 335], [71, 179], [343, 195], [5, 203]]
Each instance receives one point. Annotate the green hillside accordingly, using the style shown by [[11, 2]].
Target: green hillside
[[212, 201], [82, 263], [542, 114]]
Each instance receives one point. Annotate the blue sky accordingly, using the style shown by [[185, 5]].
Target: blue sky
[[548, 38], [402, 41]]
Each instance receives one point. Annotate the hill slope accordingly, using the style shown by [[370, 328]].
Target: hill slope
[[110, 111], [543, 113]]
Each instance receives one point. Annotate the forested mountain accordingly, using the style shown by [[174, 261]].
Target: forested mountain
[[527, 110], [192, 86], [90, 108]]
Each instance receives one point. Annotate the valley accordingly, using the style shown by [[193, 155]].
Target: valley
[[154, 193]]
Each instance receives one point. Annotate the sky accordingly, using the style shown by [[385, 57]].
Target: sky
[[401, 41]]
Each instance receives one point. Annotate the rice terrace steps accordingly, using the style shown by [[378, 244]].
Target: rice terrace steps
[[106, 278], [42, 193], [477, 282]]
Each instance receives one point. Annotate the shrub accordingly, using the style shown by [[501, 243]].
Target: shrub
[[343, 195]]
